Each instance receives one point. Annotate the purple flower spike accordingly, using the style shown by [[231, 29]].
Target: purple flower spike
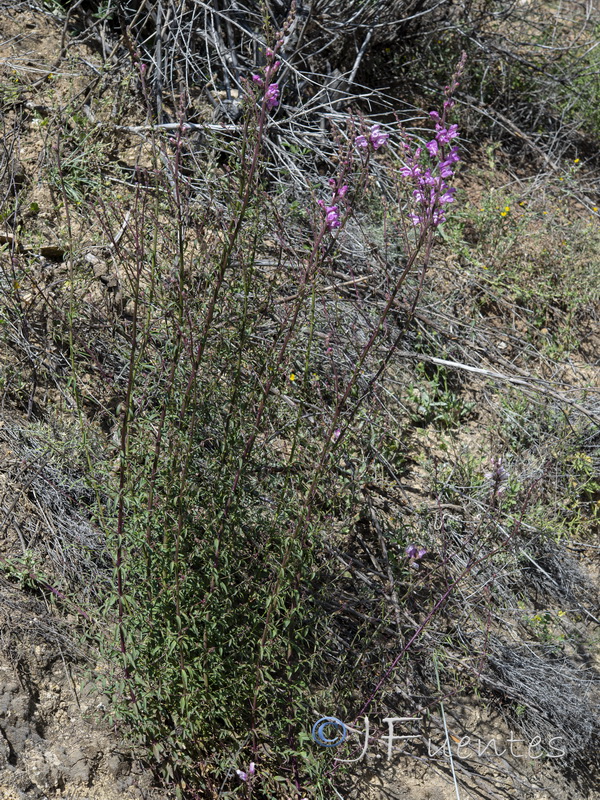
[[241, 775], [342, 191], [430, 191], [332, 215], [426, 170], [361, 141], [251, 768]]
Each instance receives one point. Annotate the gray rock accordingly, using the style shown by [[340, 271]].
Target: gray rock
[[116, 768]]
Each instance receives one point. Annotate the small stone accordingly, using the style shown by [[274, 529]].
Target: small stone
[[117, 768]]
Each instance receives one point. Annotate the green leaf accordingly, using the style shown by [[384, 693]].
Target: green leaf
[[157, 750]]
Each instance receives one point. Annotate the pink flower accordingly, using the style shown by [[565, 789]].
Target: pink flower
[[412, 171], [272, 96], [377, 138], [332, 215], [336, 434], [243, 776], [341, 192], [412, 551], [448, 196], [444, 135], [432, 148], [257, 78]]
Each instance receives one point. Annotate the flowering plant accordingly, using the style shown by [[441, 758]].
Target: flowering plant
[[428, 168]]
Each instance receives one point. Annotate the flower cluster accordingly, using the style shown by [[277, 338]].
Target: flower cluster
[[332, 212], [376, 138], [432, 192], [272, 96], [498, 475], [332, 215], [272, 90]]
